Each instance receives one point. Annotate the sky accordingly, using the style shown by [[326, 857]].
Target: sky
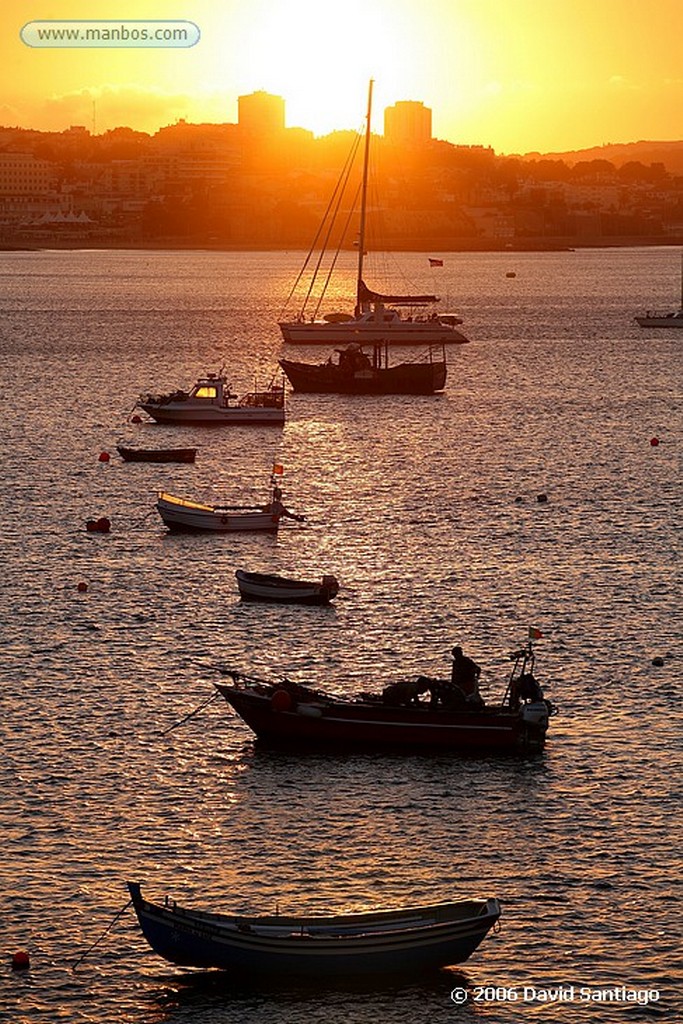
[[518, 75]]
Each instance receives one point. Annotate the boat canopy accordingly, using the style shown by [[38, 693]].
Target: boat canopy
[[366, 295]]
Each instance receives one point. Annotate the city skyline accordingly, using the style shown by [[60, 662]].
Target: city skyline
[[561, 76]]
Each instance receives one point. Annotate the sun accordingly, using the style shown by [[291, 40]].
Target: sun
[[320, 56]]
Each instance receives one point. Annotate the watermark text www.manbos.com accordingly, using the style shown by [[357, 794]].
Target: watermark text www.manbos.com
[[110, 33], [622, 994]]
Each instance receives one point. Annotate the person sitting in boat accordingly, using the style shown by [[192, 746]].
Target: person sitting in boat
[[405, 694], [465, 677]]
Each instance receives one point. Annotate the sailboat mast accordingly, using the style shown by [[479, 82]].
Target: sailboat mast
[[363, 200]]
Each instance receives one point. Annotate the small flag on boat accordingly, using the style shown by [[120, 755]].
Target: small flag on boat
[[277, 469], [534, 634], [435, 263]]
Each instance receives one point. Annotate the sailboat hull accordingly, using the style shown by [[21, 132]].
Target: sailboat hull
[[403, 332]]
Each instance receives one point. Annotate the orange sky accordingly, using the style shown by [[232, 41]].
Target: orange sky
[[519, 75]]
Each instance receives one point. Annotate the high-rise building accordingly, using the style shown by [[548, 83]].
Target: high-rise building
[[261, 113], [408, 122]]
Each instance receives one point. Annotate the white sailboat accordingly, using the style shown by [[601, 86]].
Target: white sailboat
[[377, 317], [673, 319]]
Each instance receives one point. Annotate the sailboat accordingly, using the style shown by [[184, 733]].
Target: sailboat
[[376, 317], [674, 319]]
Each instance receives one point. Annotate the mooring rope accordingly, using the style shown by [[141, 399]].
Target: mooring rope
[[204, 704], [106, 930]]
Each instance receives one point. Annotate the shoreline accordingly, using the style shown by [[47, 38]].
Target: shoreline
[[437, 246]]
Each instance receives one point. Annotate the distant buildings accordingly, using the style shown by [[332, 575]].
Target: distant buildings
[[408, 123], [261, 113]]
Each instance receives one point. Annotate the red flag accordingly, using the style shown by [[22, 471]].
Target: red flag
[[434, 263], [534, 634], [278, 470]]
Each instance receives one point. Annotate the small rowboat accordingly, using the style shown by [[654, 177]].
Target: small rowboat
[[258, 586], [181, 514], [156, 454], [341, 945]]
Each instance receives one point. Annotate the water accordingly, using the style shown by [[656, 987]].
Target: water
[[426, 510]]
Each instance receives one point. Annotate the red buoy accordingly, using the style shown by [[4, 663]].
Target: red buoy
[[104, 457], [82, 587], [21, 961], [281, 701], [136, 419], [654, 441], [101, 525]]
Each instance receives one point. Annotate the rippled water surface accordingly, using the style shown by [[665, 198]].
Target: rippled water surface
[[426, 510]]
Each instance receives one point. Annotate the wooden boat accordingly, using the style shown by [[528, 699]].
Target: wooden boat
[[183, 515], [376, 317], [288, 713], [210, 402], [281, 946], [258, 586], [355, 373], [156, 454], [673, 319]]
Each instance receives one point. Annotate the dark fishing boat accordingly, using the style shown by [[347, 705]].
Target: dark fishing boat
[[156, 454], [280, 946], [289, 713], [259, 586], [356, 373]]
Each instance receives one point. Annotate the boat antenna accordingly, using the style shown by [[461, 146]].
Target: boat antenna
[[364, 199]]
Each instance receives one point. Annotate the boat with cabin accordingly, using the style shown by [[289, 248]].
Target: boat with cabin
[[317, 948], [211, 402], [354, 372], [376, 317]]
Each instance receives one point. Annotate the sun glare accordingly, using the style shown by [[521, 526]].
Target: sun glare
[[320, 57]]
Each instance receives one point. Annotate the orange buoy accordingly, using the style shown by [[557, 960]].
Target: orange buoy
[[21, 961], [654, 441], [82, 587], [281, 701], [104, 457]]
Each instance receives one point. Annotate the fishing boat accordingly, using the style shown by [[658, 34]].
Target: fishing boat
[[282, 946], [376, 317], [156, 454], [258, 586], [211, 402], [185, 515], [673, 319], [355, 373], [286, 712]]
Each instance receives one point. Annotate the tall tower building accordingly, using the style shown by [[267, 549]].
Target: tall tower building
[[261, 113], [408, 122]]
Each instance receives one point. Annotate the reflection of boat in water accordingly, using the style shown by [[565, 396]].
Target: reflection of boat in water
[[355, 373], [210, 402], [673, 319], [156, 454], [377, 317], [383, 942], [259, 586], [289, 713]]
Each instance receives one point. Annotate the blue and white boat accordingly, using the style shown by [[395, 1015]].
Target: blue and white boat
[[341, 945]]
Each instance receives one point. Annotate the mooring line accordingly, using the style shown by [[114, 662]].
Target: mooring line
[[97, 942], [205, 704]]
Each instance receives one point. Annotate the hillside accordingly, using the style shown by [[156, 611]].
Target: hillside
[[668, 153]]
